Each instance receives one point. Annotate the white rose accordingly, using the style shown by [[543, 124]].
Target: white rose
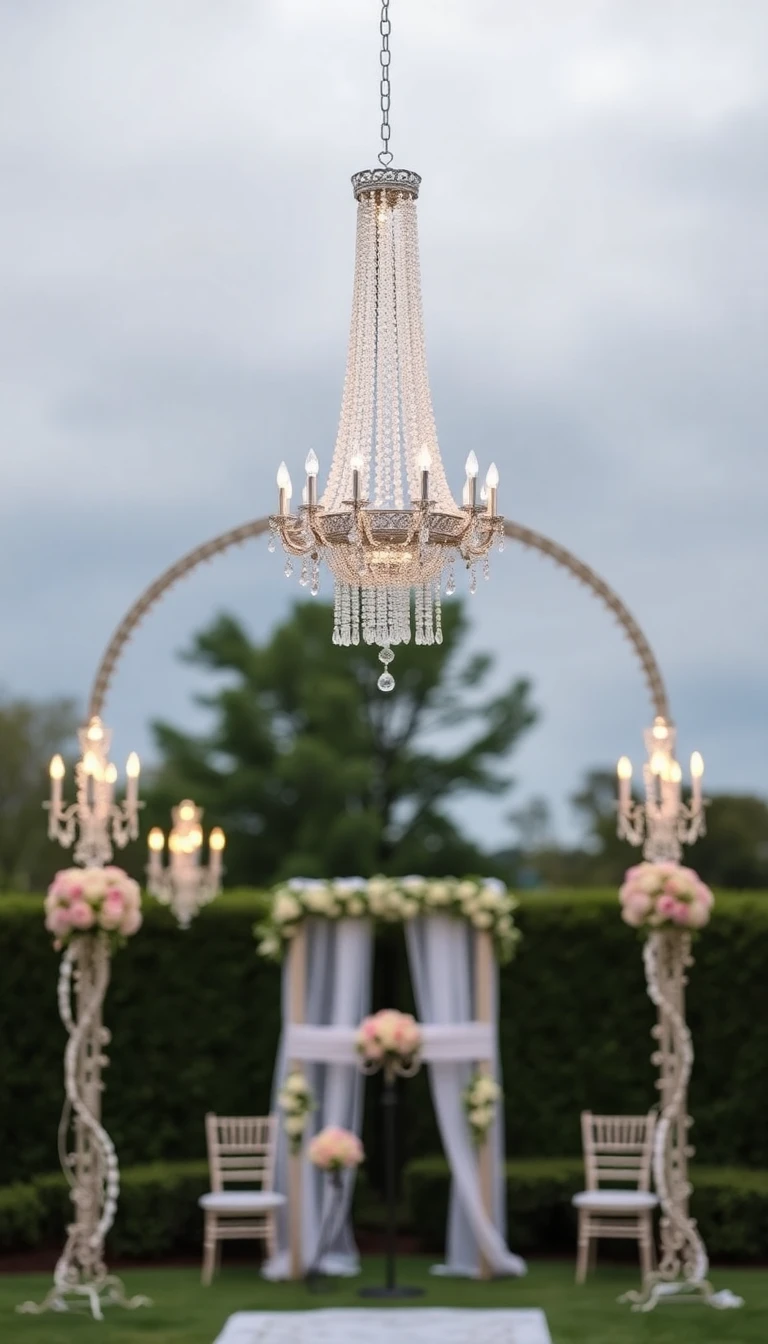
[[414, 885], [438, 893], [294, 1125], [466, 890], [480, 1117], [486, 1090], [93, 884], [269, 946], [482, 920], [286, 908], [409, 909], [490, 899], [378, 886], [295, 1084], [356, 907], [319, 899]]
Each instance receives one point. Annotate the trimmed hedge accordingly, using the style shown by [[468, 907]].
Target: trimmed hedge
[[730, 1205], [158, 1214], [195, 1018]]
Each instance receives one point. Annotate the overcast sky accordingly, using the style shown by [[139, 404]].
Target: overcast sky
[[177, 231]]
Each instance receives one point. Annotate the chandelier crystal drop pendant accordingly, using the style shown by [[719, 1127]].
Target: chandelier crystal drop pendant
[[386, 524]]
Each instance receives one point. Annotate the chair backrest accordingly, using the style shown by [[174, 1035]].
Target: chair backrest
[[241, 1148], [618, 1148]]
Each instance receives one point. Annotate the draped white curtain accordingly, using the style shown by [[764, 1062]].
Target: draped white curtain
[[338, 994], [440, 955]]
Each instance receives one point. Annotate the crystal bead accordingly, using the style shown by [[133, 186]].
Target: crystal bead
[[386, 682], [386, 656], [288, 569], [473, 581], [271, 545]]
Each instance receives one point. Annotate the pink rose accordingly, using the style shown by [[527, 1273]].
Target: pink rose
[[81, 915], [667, 905], [130, 923], [681, 912], [57, 922], [112, 911], [698, 915]]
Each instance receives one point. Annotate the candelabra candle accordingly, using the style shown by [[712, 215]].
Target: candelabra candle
[[425, 463], [283, 490], [471, 468], [357, 467], [311, 466], [492, 486]]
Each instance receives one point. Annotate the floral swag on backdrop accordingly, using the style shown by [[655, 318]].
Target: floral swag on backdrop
[[484, 902]]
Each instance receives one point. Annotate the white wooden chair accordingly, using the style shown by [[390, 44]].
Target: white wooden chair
[[240, 1149], [617, 1148]]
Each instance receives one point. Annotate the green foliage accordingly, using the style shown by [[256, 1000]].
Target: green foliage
[[195, 1018], [30, 733], [730, 1205], [313, 772]]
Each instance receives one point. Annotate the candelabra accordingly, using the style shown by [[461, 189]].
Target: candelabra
[[663, 823], [185, 884], [95, 821]]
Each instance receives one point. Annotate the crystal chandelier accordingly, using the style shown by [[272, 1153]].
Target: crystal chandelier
[[95, 819], [387, 525], [185, 884], [663, 823]]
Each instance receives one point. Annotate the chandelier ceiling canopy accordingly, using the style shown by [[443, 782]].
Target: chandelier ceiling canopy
[[386, 524]]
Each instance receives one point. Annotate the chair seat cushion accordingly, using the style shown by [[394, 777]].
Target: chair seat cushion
[[241, 1201], [615, 1201]]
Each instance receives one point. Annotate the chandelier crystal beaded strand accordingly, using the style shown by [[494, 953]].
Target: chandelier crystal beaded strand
[[387, 525]]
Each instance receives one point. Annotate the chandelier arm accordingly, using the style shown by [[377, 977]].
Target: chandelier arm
[[651, 671]]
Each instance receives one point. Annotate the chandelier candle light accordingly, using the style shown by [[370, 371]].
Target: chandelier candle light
[[663, 823], [185, 884], [387, 524], [94, 820]]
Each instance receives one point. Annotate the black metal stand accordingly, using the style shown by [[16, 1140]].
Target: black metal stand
[[391, 1288], [315, 1279]]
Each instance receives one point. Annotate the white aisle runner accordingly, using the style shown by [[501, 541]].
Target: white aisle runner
[[391, 1326]]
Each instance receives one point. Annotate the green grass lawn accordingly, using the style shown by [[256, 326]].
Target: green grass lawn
[[183, 1312]]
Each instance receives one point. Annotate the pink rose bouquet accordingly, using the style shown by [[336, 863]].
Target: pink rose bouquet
[[335, 1150], [665, 895], [92, 900], [389, 1038]]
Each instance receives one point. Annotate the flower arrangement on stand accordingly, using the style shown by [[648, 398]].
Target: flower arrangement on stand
[[89, 912], [484, 902], [332, 1151], [481, 1098], [664, 895], [297, 1102], [390, 1042], [668, 904]]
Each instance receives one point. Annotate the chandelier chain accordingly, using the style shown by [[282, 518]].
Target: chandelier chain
[[385, 28]]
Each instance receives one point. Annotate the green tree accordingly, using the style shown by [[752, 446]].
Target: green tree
[[311, 769], [30, 733]]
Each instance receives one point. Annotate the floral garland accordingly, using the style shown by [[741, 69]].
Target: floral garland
[[481, 1098], [484, 902], [297, 1102], [92, 900], [664, 895]]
